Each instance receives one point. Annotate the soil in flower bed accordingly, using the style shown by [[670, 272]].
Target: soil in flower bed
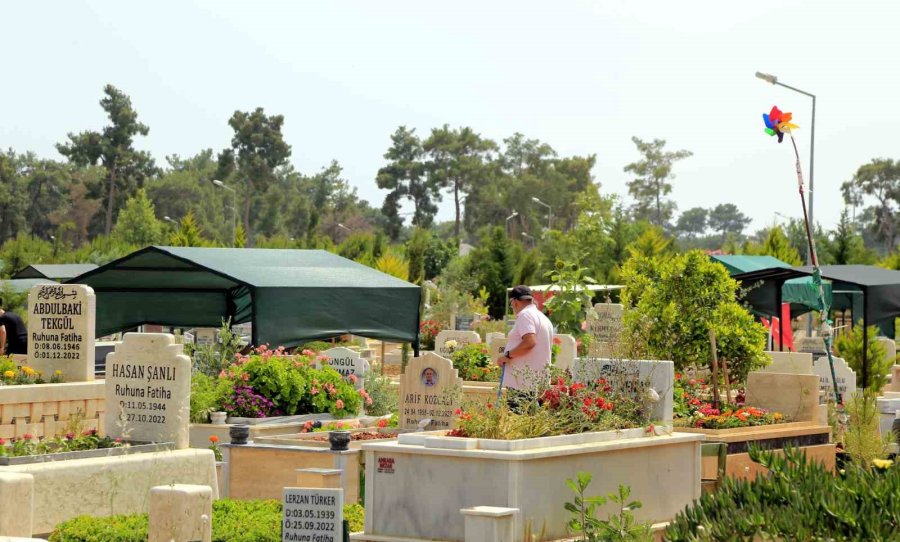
[[361, 435]]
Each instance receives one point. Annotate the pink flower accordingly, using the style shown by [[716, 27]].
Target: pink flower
[[314, 390], [368, 400], [353, 378], [27, 436], [245, 377], [308, 352], [339, 404]]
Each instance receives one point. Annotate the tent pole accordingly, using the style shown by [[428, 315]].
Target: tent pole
[[778, 315], [865, 330]]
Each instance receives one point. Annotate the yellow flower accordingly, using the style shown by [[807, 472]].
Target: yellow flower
[[57, 372], [882, 463], [9, 374], [28, 370]]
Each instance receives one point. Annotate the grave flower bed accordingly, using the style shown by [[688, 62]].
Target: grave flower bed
[[563, 407], [30, 445], [693, 408]]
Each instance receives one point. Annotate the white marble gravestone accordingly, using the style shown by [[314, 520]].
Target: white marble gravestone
[[890, 349], [796, 363], [148, 389], [462, 338], [568, 349], [812, 345], [312, 514], [496, 348], [633, 374], [430, 388], [61, 322], [846, 378], [494, 335], [347, 362], [605, 325]]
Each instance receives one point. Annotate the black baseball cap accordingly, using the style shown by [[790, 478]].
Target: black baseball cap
[[521, 292]]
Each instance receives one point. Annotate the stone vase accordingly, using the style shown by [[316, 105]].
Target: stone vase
[[339, 440], [239, 434], [218, 418]]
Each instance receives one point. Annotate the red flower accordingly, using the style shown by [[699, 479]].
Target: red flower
[[2, 441], [557, 340], [27, 436], [214, 439], [490, 406], [457, 412]]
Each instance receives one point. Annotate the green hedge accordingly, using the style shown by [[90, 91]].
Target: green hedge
[[233, 521]]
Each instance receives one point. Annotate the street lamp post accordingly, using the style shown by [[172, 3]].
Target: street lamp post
[[169, 219], [526, 236], [510, 217], [220, 184], [812, 156], [549, 212], [812, 143]]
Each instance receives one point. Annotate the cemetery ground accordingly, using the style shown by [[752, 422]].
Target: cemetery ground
[[363, 438]]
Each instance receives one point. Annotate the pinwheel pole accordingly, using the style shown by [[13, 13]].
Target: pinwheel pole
[[826, 330]]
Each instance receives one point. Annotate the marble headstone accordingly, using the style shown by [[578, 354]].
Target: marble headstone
[[430, 388], [605, 325], [462, 338], [568, 348], [634, 375], [496, 348], [846, 378], [890, 349], [61, 322], [148, 389], [796, 396], [812, 345], [798, 363], [494, 335], [312, 514], [347, 362]]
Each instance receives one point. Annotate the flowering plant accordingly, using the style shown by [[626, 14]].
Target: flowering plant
[[214, 446], [742, 417], [245, 402], [451, 345], [13, 375], [428, 331], [474, 364]]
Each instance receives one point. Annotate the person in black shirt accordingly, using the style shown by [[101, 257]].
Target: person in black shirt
[[13, 333]]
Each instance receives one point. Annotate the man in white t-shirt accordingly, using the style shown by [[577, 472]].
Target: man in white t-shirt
[[527, 354]]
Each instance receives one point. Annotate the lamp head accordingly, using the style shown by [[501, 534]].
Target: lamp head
[[766, 77], [217, 182], [536, 200]]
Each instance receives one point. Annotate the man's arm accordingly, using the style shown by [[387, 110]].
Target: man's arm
[[528, 342], [2, 340]]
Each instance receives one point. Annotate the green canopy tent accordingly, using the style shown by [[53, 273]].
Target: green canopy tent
[[799, 291], [64, 271], [289, 296]]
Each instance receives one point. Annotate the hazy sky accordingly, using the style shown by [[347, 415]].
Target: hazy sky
[[582, 76]]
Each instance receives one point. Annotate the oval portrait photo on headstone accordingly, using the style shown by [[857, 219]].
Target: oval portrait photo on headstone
[[429, 377]]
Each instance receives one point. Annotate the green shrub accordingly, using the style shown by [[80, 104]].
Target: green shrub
[[798, 500], [207, 395], [474, 363], [233, 521], [850, 347], [385, 397]]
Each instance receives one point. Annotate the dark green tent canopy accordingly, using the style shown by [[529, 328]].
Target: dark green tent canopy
[[799, 292], [290, 296]]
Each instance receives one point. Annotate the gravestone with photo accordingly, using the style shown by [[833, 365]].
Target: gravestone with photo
[[347, 362], [148, 390], [846, 378], [312, 515], [635, 376], [430, 388], [464, 323], [567, 349], [462, 338], [61, 322]]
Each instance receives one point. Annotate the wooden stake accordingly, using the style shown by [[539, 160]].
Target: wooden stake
[[727, 383], [715, 367], [382, 357]]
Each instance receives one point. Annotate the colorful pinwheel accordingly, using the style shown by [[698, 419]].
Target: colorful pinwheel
[[777, 123]]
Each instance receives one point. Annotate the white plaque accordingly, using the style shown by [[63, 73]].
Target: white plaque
[[312, 515], [347, 362]]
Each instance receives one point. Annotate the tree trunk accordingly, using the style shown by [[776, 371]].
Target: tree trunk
[[110, 202], [658, 211], [456, 200]]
